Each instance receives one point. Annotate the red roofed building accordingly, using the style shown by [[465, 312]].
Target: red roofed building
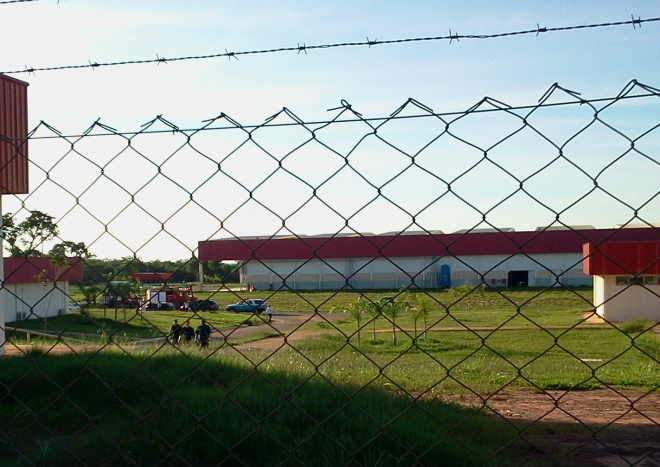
[[498, 258], [36, 288], [151, 276], [626, 279]]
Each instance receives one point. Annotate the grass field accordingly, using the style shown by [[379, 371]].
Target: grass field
[[558, 306], [169, 409], [333, 399], [519, 338], [486, 362]]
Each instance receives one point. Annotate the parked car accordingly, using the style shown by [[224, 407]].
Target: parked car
[[202, 305], [250, 305], [74, 306]]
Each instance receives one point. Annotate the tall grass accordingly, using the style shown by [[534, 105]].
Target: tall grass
[[172, 408], [484, 362]]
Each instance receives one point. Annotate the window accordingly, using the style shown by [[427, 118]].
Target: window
[[650, 280], [629, 280]]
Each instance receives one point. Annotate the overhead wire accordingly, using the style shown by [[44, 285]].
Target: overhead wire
[[22, 1], [451, 37]]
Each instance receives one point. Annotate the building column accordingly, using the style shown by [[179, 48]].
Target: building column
[[2, 287]]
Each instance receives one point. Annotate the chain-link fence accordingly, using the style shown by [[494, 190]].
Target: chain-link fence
[[468, 334]]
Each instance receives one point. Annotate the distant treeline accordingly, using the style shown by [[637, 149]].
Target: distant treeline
[[97, 270]]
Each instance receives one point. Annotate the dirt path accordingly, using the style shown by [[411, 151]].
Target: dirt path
[[289, 326]]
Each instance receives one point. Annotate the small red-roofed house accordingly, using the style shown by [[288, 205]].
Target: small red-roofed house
[[36, 288], [151, 276], [626, 279]]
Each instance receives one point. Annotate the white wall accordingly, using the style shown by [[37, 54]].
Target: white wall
[[618, 303], [2, 292], [365, 273], [35, 300]]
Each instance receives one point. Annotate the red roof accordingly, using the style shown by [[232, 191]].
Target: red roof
[[422, 245], [35, 269], [151, 276], [630, 258]]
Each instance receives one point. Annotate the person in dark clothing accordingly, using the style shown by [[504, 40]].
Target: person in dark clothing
[[175, 332], [187, 333], [203, 334]]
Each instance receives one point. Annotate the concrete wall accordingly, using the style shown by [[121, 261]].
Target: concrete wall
[[618, 300], [384, 273], [32, 301]]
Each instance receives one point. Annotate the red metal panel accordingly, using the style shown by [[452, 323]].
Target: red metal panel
[[19, 270], [588, 260], [13, 136], [392, 246], [648, 258], [624, 258]]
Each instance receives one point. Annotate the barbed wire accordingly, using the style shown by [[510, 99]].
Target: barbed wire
[[22, 1], [453, 36]]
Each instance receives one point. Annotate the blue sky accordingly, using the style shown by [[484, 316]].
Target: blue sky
[[446, 77], [451, 77]]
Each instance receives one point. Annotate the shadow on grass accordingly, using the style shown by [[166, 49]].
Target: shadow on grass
[[175, 408], [74, 323]]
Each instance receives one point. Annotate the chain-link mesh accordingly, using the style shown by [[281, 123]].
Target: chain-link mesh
[[484, 368]]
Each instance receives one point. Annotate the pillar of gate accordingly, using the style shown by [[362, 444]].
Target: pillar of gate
[[13, 162]]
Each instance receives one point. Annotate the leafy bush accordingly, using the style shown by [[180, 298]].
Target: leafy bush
[[636, 325]]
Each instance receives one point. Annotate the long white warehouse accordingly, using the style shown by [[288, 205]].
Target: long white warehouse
[[540, 258]]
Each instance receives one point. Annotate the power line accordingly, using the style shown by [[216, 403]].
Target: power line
[[22, 1], [369, 43]]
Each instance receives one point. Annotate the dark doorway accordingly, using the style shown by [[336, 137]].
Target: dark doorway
[[518, 278]]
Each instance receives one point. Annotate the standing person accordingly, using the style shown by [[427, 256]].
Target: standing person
[[202, 334], [175, 332], [269, 313], [187, 333]]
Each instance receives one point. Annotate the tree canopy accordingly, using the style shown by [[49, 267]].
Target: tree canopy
[[29, 237]]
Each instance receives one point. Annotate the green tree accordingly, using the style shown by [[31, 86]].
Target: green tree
[[121, 292], [90, 293], [482, 294], [26, 237], [458, 294], [417, 304], [358, 309], [391, 308], [65, 248], [375, 312]]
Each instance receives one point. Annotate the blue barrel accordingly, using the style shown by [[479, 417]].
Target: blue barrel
[[445, 276]]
